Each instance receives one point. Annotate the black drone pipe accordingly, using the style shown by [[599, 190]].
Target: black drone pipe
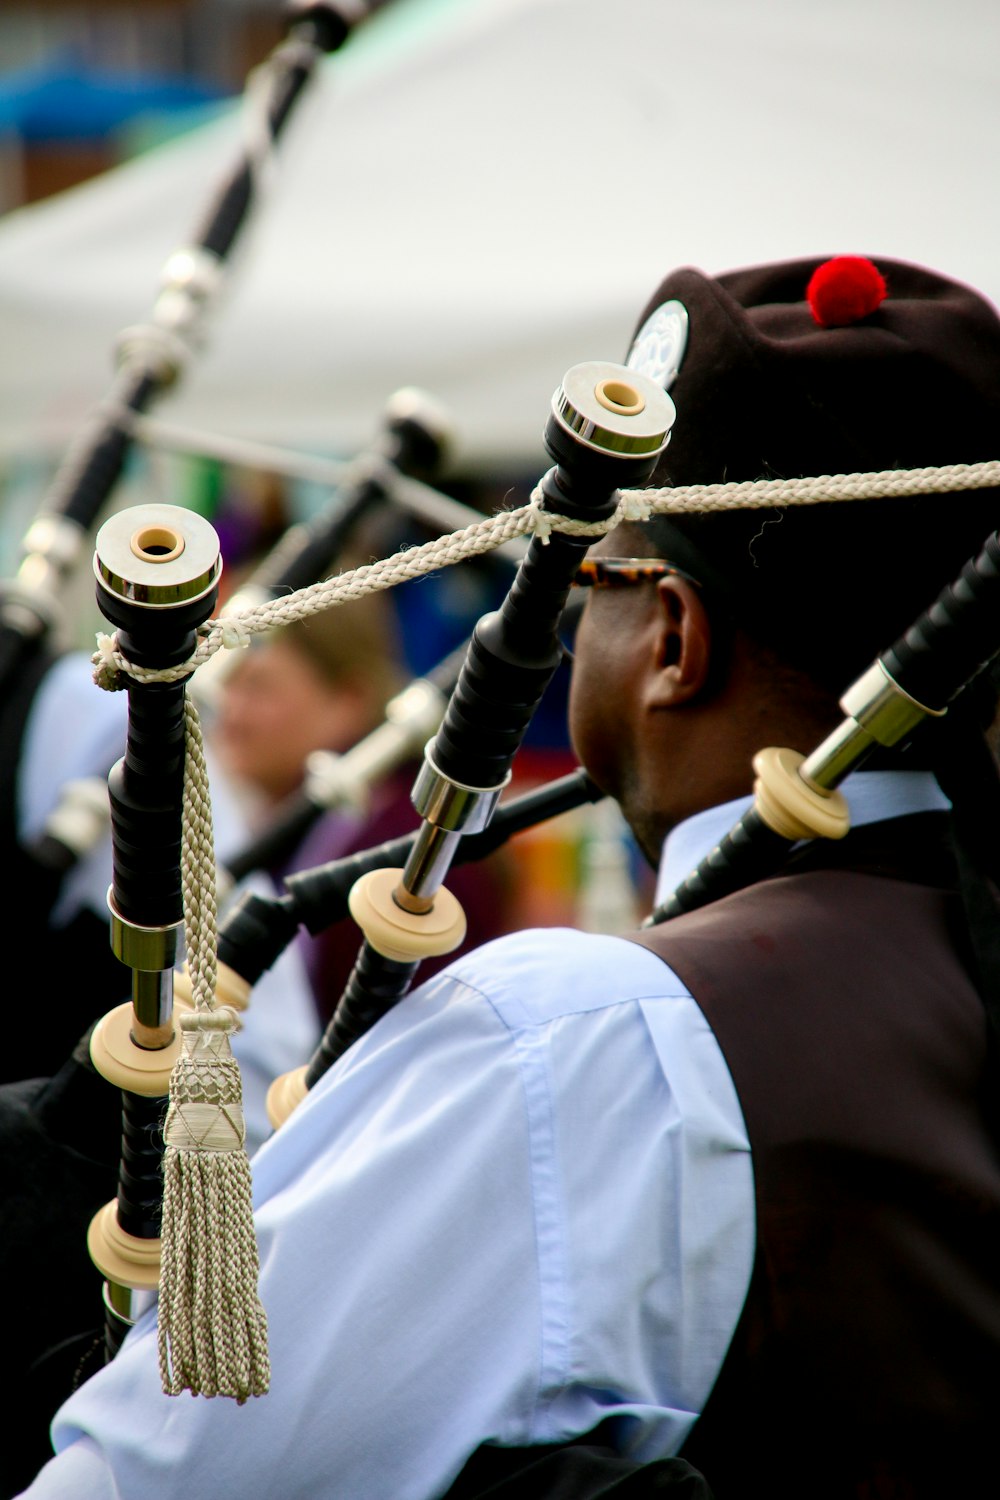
[[257, 929], [344, 780], [607, 428], [414, 442], [80, 819], [157, 570], [916, 679]]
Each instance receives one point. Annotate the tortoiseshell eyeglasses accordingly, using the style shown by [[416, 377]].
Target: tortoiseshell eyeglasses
[[613, 573], [618, 572]]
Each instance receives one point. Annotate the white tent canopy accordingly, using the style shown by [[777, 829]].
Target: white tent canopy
[[477, 194]]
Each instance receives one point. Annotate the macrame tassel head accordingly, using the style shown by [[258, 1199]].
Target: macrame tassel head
[[212, 1326]]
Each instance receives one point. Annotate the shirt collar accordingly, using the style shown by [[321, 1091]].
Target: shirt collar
[[872, 796]]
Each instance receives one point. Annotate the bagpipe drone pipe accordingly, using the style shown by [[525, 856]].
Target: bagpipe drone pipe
[[910, 687], [165, 581], [412, 444], [346, 779], [936, 685]]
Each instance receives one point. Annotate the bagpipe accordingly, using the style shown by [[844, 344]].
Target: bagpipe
[[608, 425], [157, 571], [157, 574]]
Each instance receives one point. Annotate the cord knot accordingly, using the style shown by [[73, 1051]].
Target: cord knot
[[540, 521], [234, 634], [634, 506], [106, 661]]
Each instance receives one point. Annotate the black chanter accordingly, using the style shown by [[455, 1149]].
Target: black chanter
[[607, 428]]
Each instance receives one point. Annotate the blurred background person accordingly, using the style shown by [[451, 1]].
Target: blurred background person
[[317, 684], [323, 684]]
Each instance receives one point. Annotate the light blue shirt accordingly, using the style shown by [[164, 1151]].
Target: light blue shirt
[[870, 796], [522, 1203]]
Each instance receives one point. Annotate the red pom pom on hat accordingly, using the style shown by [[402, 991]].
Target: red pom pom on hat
[[844, 289]]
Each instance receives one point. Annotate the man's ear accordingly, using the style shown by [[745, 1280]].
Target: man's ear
[[682, 644]]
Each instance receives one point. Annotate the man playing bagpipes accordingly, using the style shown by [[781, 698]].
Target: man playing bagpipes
[[730, 1191]]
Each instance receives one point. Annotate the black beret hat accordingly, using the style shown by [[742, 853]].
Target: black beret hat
[[906, 377], [764, 389]]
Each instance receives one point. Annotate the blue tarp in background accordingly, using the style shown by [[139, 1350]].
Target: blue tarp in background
[[61, 100]]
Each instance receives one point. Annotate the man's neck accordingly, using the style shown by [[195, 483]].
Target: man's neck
[[872, 796]]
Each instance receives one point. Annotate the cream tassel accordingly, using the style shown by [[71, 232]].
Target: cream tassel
[[212, 1326]]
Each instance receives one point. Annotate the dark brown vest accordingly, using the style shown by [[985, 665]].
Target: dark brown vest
[[867, 1359]]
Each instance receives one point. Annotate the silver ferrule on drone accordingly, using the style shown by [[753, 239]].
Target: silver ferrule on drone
[[450, 810], [157, 557], [151, 953], [878, 712]]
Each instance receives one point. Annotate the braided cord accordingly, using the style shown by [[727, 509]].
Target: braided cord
[[198, 865], [493, 531]]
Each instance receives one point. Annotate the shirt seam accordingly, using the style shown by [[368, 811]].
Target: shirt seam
[[555, 1294]]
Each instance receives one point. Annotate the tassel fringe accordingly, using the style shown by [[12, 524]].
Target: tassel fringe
[[212, 1325]]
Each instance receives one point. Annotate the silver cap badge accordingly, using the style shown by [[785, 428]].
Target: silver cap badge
[[658, 347]]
